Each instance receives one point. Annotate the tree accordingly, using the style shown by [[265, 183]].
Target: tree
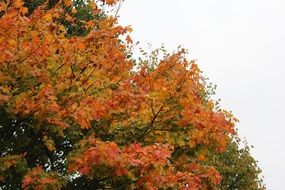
[[238, 168], [75, 113], [81, 12]]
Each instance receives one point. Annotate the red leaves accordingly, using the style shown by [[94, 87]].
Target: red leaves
[[4, 98], [110, 2], [51, 65], [90, 24], [138, 156], [150, 115], [81, 119], [96, 153], [129, 40], [152, 162]]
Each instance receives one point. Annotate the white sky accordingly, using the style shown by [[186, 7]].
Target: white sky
[[240, 46]]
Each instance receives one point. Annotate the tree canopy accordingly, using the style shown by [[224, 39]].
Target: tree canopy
[[78, 112]]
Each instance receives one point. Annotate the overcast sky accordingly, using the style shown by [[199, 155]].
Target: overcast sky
[[240, 46]]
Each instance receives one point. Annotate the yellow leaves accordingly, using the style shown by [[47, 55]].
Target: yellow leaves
[[197, 137], [48, 17], [18, 3], [92, 4], [202, 155], [210, 105], [49, 38], [24, 10], [2, 6], [128, 28], [63, 82], [4, 90], [61, 28], [176, 139], [8, 161], [52, 64], [49, 143], [195, 69], [12, 42], [11, 160]]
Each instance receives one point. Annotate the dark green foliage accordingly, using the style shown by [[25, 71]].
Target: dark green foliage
[[33, 4], [24, 136], [82, 15]]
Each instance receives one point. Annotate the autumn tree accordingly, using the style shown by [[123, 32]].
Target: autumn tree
[[239, 170], [76, 113], [80, 12]]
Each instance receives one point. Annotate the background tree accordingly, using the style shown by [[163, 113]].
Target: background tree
[[238, 168], [76, 115]]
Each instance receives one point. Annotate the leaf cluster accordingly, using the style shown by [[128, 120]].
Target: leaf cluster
[[76, 112]]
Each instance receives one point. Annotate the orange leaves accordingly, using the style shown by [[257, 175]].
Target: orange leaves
[[39, 180], [18, 3], [89, 110], [2, 6], [68, 3], [149, 165], [10, 160], [53, 66], [110, 2], [97, 109], [129, 40], [82, 120], [24, 10], [213, 175], [148, 122], [81, 46], [156, 154], [3, 98], [68, 18], [90, 24], [48, 17], [97, 153]]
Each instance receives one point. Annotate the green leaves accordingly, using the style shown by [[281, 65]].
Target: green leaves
[[75, 112]]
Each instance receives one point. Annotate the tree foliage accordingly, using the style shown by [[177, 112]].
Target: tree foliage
[[238, 168], [75, 113]]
